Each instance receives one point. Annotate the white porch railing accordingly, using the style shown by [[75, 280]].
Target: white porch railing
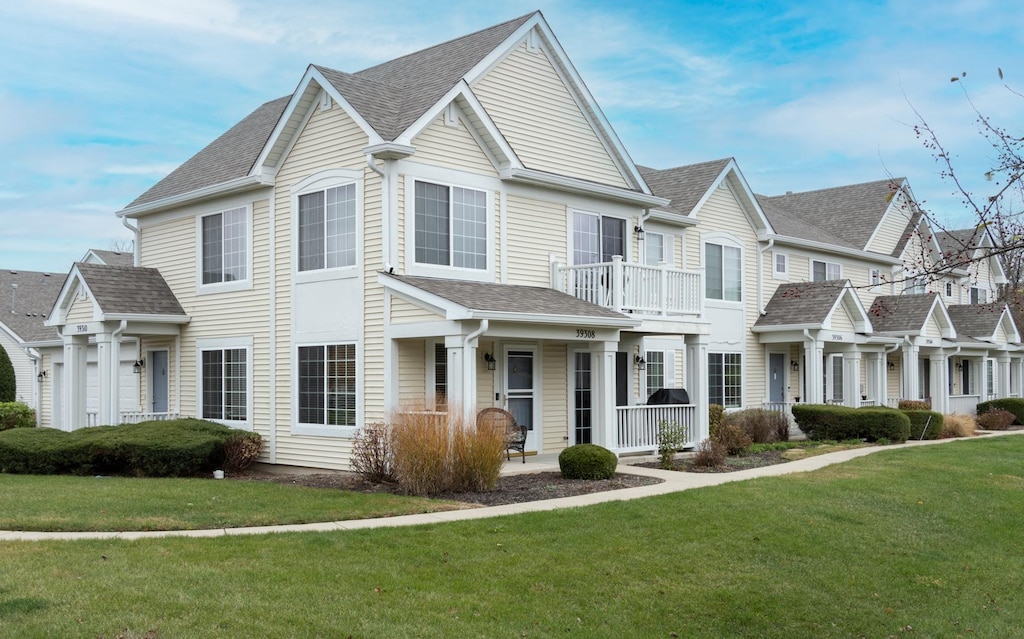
[[637, 426], [964, 404], [134, 417], [626, 286], [92, 419]]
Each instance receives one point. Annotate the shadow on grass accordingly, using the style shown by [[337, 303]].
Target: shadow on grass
[[11, 607]]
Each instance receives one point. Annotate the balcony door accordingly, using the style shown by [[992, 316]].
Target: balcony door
[[596, 238]]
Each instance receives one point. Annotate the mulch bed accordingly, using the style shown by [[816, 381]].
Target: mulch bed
[[732, 464]]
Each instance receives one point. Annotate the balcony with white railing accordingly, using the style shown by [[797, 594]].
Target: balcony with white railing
[[637, 426], [629, 287]]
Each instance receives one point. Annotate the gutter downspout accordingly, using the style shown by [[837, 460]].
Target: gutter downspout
[[467, 343], [37, 362], [760, 275], [135, 241], [385, 206]]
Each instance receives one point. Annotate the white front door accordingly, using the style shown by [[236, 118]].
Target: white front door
[[521, 368]]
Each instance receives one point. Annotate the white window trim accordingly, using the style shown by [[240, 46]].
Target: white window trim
[[446, 178], [224, 287], [776, 273], [321, 181], [722, 239], [810, 269], [326, 430], [743, 376], [871, 276], [666, 247], [226, 343], [666, 362]]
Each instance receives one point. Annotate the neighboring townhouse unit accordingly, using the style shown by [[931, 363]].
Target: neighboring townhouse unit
[[455, 229], [25, 300]]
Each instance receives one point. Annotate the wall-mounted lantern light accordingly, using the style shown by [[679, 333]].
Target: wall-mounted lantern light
[[794, 365], [639, 230], [640, 362], [491, 362], [139, 365]]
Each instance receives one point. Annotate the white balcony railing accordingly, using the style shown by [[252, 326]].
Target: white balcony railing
[[131, 417], [637, 426], [638, 288]]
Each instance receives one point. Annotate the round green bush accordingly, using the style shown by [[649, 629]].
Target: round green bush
[[8, 382], [587, 461], [924, 424]]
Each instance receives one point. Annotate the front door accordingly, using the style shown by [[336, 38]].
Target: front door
[[776, 377], [520, 392], [622, 378], [583, 407], [158, 381]]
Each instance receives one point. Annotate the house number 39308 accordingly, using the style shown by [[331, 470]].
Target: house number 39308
[[586, 333]]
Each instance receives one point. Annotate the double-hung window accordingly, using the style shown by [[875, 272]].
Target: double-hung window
[[596, 238], [875, 276], [451, 226], [225, 384], [780, 266], [978, 295], [725, 379], [224, 246], [327, 385], [327, 228], [723, 272], [654, 248], [655, 371], [825, 271]]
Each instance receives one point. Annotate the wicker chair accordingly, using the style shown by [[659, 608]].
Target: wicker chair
[[515, 435]]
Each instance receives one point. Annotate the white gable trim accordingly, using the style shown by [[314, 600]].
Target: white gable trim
[[741, 191], [851, 303], [66, 298], [903, 189]]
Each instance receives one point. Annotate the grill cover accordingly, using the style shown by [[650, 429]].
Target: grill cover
[[669, 396]]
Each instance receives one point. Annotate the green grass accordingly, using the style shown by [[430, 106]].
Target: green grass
[[57, 503], [920, 542]]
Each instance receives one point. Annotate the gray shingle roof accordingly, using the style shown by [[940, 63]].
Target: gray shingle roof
[[846, 214], [900, 313], [958, 246], [389, 96], [31, 303], [115, 258], [801, 303], [684, 185], [976, 320], [130, 290], [509, 298]]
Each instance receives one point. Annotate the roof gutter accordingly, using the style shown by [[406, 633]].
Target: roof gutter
[[833, 248], [237, 185], [576, 185]]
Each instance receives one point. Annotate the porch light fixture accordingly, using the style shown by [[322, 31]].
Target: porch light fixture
[[639, 230], [139, 365], [41, 376], [640, 362], [892, 366], [490, 361], [794, 365], [960, 366]]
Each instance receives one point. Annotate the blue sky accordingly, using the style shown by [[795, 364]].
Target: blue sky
[[101, 98]]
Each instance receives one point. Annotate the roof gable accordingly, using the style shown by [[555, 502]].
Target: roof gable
[[910, 315], [26, 298], [983, 321], [117, 292], [812, 305]]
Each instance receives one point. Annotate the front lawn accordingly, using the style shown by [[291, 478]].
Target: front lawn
[[59, 503], [918, 542]]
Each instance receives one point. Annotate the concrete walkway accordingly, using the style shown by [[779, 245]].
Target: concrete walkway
[[673, 482]]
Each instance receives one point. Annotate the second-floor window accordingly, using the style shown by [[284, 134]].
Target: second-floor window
[[224, 246], [824, 271], [875, 276], [723, 272], [596, 238], [451, 226], [978, 295], [949, 289], [654, 248], [780, 269], [327, 228]]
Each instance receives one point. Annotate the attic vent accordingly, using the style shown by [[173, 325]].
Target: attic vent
[[532, 41], [451, 116], [325, 101]]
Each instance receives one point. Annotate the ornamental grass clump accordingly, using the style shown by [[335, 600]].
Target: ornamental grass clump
[[958, 426], [763, 426]]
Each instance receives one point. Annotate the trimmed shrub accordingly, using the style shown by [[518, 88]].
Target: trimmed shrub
[[16, 415], [995, 419], [733, 438], [763, 426], [587, 461], [914, 404], [824, 421], [671, 438], [8, 381], [241, 449], [924, 424], [373, 454], [710, 454], [175, 448], [716, 413], [958, 426], [1014, 405]]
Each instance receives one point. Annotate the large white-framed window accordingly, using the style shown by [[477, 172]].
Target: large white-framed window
[[725, 379], [450, 225], [597, 238], [654, 248], [327, 389], [979, 295], [823, 271], [326, 225], [225, 249], [655, 370], [723, 272], [780, 265], [224, 373]]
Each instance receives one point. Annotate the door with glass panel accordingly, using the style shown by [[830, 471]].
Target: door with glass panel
[[521, 392], [582, 393]]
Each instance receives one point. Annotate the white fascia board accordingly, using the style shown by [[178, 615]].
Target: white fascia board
[[832, 248], [11, 334], [575, 185], [49, 343], [428, 301], [154, 319], [534, 318], [390, 150], [950, 330], [903, 188], [670, 217], [65, 290], [849, 293], [237, 185], [733, 169], [786, 327]]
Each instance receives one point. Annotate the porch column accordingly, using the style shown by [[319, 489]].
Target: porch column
[[1018, 370], [851, 379], [697, 381], [108, 356], [75, 347], [391, 368], [872, 375], [939, 389], [814, 354], [910, 363], [1003, 374], [461, 374], [605, 421]]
